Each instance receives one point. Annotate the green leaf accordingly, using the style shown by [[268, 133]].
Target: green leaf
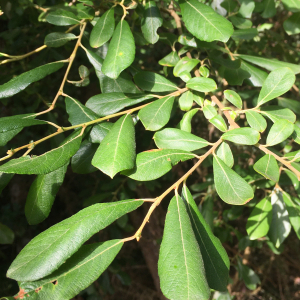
[[151, 21], [231, 188], [240, 22], [276, 113], [296, 134], [248, 275], [209, 111], [51, 248], [277, 83], [234, 98], [58, 39], [268, 167], [229, 5], [110, 103], [41, 195], [295, 155], [170, 60], [172, 138], [180, 263], [215, 258], [21, 82], [246, 8], [219, 123], [260, 219], [294, 212], [257, 76], [269, 64], [256, 121], [291, 5], [294, 105], [155, 163], [7, 236], [292, 24], [201, 84], [243, 136], [224, 152], [235, 76], [121, 51], [4, 180], [185, 64], [204, 23], [157, 114], [91, 260], [152, 82], [244, 34], [269, 9], [62, 17], [45, 163], [103, 29], [185, 101], [280, 226], [185, 123], [279, 132]]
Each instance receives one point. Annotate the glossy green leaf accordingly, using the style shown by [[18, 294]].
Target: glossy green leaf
[[243, 136], [294, 105], [41, 195], [170, 60], [62, 17], [277, 83], [292, 24], [291, 5], [234, 98], [5, 178], [7, 236], [248, 275], [260, 219], [185, 101], [204, 23], [219, 123], [58, 39], [121, 51], [276, 113], [21, 82], [103, 29], [268, 167], [151, 21], [240, 22], [172, 138], [180, 263], [256, 121], [209, 111], [204, 71], [231, 188], [152, 82], [246, 8], [185, 64], [185, 123], [257, 76], [215, 258], [279, 132], [224, 152], [91, 260], [201, 84], [155, 163], [51, 248], [117, 150], [157, 114], [110, 103], [269, 9]]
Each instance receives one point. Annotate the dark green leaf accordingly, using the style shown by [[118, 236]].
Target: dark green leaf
[[269, 9], [243, 136], [4, 180], [170, 60], [201, 84], [7, 236], [248, 275], [57, 39], [268, 167], [245, 34], [185, 64], [62, 17], [279, 132], [240, 22]]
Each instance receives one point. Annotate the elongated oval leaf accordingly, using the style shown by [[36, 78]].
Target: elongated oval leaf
[[201, 84], [279, 132], [121, 51], [256, 121], [224, 152], [19, 83], [219, 123], [170, 60], [268, 167], [243, 136], [204, 23], [180, 264], [90, 260], [62, 17], [186, 101], [231, 188], [215, 258], [155, 163], [50, 249], [276, 113], [58, 39], [117, 151], [185, 123], [234, 98]]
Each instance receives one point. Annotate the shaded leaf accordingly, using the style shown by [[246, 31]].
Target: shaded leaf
[[7, 236], [292, 24], [58, 39], [170, 60], [4, 180], [62, 17], [248, 275]]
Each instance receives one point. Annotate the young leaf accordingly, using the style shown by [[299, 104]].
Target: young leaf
[[103, 29], [152, 82], [151, 21], [215, 258], [279, 132], [58, 39], [224, 152], [84, 267], [157, 114], [204, 23], [180, 264], [50, 249], [231, 188], [117, 151], [155, 163], [268, 167], [62, 17], [4, 180], [256, 121], [41, 195], [185, 123], [243, 136], [172, 138], [233, 98], [186, 101], [260, 219], [276, 113], [277, 83], [248, 275], [19, 83], [201, 84], [219, 123], [121, 51]]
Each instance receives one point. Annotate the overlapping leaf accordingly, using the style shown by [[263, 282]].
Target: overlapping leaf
[[268, 167], [243, 136]]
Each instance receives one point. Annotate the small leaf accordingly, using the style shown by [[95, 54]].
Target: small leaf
[[248, 275], [185, 64], [185, 123], [121, 51], [117, 150], [243, 136], [7, 236], [155, 163], [103, 29], [256, 121], [259, 221], [279, 132], [170, 60], [233, 98], [186, 101], [180, 263], [157, 114], [172, 138], [51, 248], [219, 123], [224, 152], [58, 39], [268, 167], [240, 22], [231, 188], [201, 84], [244, 34], [62, 17], [276, 113]]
